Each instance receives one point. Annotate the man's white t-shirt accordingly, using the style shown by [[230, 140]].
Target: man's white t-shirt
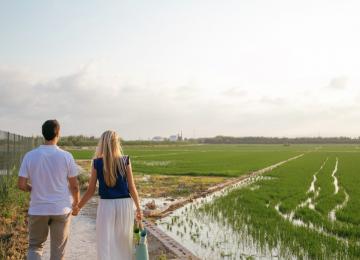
[[48, 168]]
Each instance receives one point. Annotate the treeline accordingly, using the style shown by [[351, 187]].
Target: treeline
[[78, 140], [81, 140], [278, 140]]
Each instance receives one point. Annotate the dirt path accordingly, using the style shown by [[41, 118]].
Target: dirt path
[[82, 241], [81, 244]]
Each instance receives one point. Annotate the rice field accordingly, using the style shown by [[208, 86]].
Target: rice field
[[203, 160], [307, 208]]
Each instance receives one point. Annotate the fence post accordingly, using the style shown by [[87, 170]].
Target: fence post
[[14, 152], [8, 154]]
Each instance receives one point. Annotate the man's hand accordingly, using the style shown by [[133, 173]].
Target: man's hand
[[75, 210], [23, 184]]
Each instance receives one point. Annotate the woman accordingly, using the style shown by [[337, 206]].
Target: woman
[[117, 191]]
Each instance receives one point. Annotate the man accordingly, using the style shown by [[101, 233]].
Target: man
[[50, 175]]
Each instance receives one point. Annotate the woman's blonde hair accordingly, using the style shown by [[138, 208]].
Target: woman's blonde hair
[[109, 149]]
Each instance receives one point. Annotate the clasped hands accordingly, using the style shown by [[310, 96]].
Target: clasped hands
[[76, 210]]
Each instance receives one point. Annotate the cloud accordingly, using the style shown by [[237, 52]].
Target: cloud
[[338, 83], [272, 100], [186, 91], [89, 102], [235, 92]]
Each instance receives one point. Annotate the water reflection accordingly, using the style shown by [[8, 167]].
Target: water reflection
[[212, 238]]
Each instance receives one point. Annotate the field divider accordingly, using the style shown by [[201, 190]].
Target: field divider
[[171, 244]]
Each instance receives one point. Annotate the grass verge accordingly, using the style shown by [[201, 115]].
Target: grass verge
[[13, 219]]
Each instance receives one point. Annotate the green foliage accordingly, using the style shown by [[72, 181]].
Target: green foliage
[[83, 179], [78, 140], [13, 205], [9, 193], [254, 211]]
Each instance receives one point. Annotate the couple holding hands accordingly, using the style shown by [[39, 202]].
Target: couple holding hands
[[50, 175]]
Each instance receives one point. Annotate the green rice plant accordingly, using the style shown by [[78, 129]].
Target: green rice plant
[[316, 238], [327, 200], [349, 179]]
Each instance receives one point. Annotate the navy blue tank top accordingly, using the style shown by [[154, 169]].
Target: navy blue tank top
[[121, 188]]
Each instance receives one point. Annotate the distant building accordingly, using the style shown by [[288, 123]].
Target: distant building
[[158, 139], [180, 137], [173, 138]]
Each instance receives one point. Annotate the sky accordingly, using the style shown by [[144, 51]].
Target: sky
[[156, 68]]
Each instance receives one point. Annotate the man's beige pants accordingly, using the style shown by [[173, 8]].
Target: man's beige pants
[[39, 226]]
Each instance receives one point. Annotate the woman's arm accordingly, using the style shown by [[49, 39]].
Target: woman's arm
[[133, 191], [90, 190]]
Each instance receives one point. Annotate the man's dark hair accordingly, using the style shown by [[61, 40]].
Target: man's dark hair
[[50, 129]]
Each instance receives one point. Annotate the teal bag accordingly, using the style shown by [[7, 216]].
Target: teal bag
[[141, 248]]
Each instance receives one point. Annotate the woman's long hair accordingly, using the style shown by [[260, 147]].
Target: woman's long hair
[[109, 149]]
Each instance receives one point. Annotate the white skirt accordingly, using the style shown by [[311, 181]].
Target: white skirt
[[114, 229]]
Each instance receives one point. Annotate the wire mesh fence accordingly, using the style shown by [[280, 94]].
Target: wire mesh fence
[[12, 149]]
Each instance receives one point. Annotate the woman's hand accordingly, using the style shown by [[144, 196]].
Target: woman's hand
[[75, 210], [138, 215]]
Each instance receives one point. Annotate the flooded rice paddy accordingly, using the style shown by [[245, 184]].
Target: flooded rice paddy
[[209, 238], [295, 212]]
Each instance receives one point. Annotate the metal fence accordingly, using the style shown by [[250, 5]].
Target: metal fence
[[12, 149]]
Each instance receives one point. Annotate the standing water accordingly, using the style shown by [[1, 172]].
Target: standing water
[[210, 238]]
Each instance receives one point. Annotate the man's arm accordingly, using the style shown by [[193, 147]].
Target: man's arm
[[73, 181], [24, 175], [74, 189], [23, 184]]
